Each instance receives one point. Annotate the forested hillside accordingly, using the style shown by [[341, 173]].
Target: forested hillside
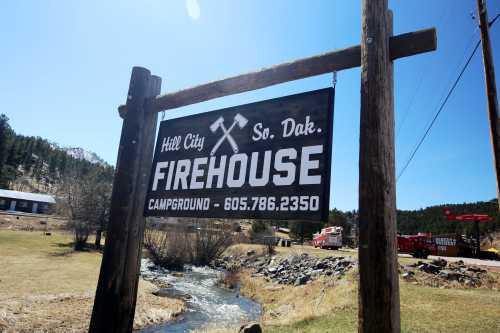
[[432, 219], [410, 222], [33, 164]]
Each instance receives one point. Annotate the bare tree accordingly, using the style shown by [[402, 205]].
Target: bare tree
[[103, 196], [84, 200]]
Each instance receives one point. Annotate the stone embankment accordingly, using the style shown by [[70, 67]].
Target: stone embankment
[[298, 269], [292, 269], [440, 273]]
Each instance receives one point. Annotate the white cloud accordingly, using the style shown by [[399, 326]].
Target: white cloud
[[193, 9]]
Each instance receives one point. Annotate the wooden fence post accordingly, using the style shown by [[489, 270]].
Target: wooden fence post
[[379, 282], [116, 293]]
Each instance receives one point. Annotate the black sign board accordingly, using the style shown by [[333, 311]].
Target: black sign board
[[265, 160]]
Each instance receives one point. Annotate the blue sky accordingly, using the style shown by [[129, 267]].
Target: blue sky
[[66, 64]]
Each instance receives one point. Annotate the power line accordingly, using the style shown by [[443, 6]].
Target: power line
[[445, 16], [493, 21], [438, 112], [410, 105], [443, 104]]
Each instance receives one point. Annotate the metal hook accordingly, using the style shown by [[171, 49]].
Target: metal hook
[[334, 79]]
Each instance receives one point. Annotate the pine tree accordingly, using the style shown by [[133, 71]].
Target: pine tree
[[5, 142]]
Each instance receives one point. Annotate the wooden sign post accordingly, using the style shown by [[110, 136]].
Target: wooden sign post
[[378, 272], [116, 293]]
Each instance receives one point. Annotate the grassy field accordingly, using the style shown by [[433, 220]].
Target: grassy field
[[47, 287], [331, 305]]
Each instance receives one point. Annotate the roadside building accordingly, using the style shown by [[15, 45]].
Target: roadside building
[[35, 203]]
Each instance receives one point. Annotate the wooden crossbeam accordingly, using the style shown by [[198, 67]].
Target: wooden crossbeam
[[403, 45]]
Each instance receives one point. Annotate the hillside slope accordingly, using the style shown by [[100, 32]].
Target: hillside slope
[[33, 164]]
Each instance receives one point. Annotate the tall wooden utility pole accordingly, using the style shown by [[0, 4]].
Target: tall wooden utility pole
[[116, 293], [491, 89], [378, 284]]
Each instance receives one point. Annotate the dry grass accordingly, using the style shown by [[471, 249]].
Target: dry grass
[[46, 287], [240, 250], [331, 305], [30, 223], [282, 235], [284, 304]]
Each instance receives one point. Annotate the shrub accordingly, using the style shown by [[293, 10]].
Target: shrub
[[167, 249], [199, 245]]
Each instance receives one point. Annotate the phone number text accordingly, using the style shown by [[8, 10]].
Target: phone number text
[[284, 203]]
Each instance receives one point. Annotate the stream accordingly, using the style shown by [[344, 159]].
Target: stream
[[206, 302]]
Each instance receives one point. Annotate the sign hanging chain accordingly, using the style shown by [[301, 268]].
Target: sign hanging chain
[[334, 79]]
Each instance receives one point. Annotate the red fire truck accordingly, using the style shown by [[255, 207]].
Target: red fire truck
[[328, 238], [424, 244], [420, 245]]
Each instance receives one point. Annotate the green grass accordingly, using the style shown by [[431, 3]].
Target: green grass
[[426, 309], [341, 321], [423, 309], [34, 263]]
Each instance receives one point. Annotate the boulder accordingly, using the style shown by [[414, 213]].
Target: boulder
[[429, 268], [439, 262], [449, 274], [251, 328], [161, 284], [475, 269], [301, 280], [171, 293]]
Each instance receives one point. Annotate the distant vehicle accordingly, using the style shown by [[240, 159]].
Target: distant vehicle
[[419, 246], [425, 244], [328, 238]]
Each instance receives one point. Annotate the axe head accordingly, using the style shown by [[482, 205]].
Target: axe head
[[240, 120], [216, 124]]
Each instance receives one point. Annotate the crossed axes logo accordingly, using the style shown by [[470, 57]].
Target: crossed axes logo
[[219, 123]]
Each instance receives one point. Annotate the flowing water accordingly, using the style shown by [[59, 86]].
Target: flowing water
[[206, 302]]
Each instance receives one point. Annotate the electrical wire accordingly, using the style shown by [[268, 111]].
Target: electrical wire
[[410, 105], [459, 65], [493, 21], [438, 112], [443, 104], [445, 19]]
